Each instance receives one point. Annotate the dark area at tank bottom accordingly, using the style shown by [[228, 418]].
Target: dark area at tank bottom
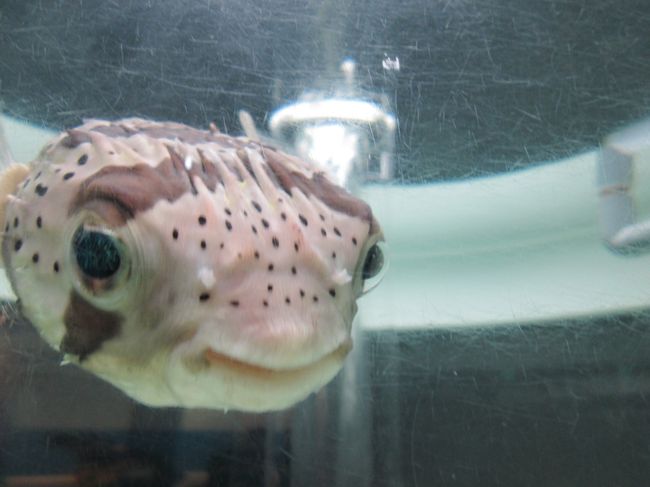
[[484, 87], [562, 404]]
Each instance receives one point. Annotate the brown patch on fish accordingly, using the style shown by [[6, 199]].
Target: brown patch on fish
[[209, 173], [132, 189], [75, 138], [87, 327], [332, 195]]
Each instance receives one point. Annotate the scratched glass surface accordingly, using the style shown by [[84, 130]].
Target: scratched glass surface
[[478, 88]]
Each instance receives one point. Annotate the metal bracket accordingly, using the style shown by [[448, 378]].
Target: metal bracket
[[623, 155]]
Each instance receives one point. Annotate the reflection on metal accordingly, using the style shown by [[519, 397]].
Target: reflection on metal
[[624, 155], [390, 64], [349, 135]]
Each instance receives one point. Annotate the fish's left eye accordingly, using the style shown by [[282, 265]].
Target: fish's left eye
[[97, 253], [373, 263], [374, 266]]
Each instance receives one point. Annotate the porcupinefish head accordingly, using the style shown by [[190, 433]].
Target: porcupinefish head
[[188, 267]]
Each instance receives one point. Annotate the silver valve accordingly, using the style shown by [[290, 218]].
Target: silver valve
[[351, 136]]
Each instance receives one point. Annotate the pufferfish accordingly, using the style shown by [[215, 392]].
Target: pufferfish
[[187, 267]]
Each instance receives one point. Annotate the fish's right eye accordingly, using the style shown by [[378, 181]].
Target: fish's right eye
[[97, 253]]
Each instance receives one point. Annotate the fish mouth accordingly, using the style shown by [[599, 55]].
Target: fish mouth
[[241, 367]]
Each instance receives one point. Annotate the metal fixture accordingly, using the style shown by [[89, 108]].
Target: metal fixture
[[351, 136], [624, 205]]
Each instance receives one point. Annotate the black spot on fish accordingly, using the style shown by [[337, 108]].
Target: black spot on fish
[[82, 160], [40, 189], [228, 225], [275, 242], [303, 220], [204, 297], [68, 175], [202, 220], [18, 245]]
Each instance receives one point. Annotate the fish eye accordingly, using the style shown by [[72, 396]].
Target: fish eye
[[97, 253], [374, 266], [373, 263]]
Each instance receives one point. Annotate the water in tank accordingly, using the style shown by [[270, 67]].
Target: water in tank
[[325, 243]]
